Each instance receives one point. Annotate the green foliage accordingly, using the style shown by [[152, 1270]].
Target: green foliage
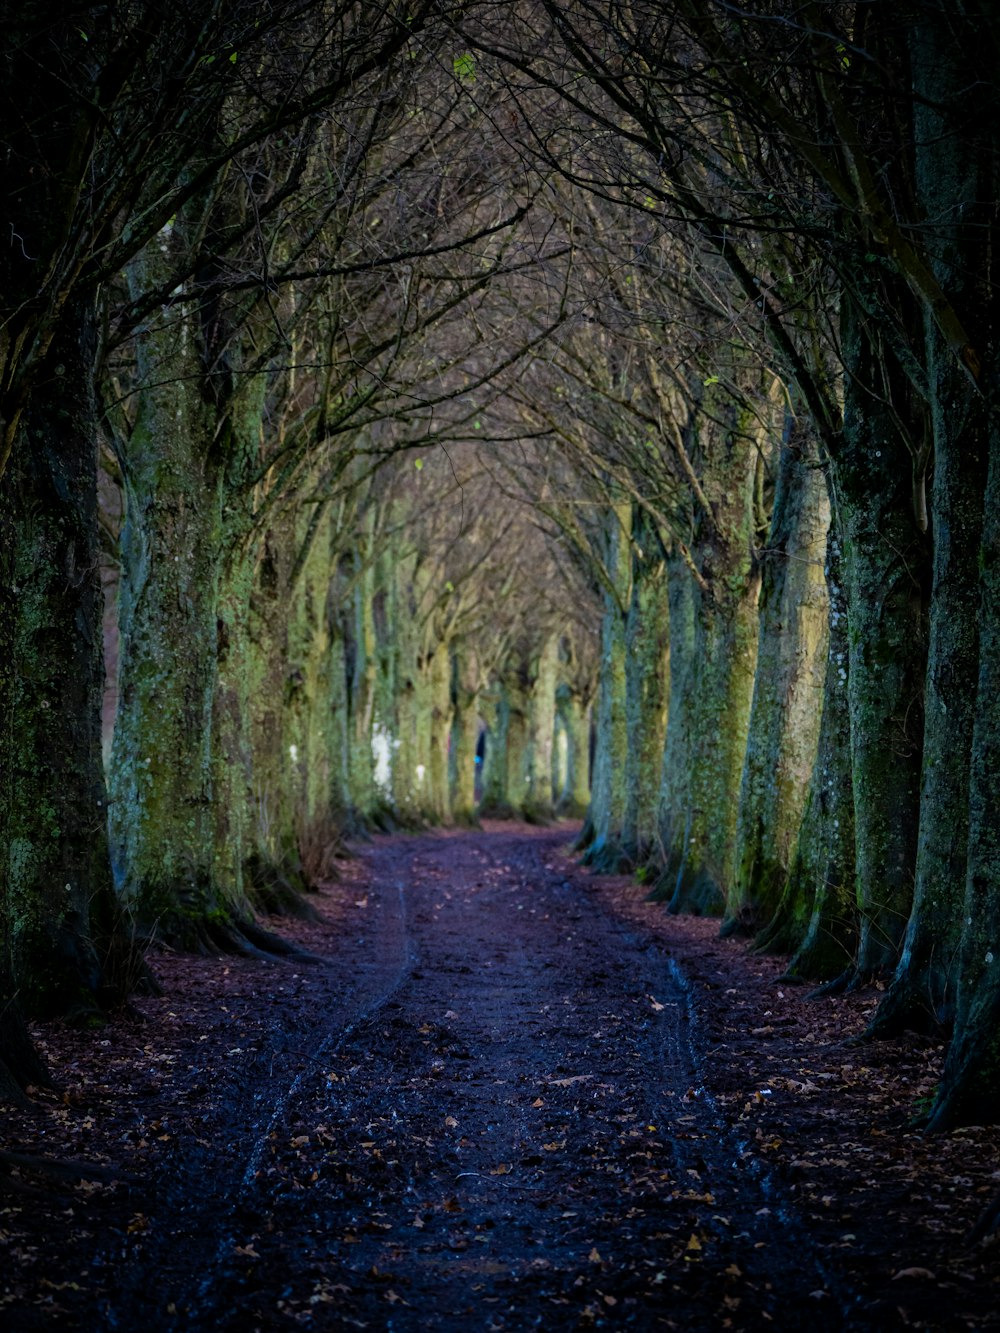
[[464, 67]]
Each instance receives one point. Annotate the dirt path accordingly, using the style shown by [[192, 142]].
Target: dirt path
[[488, 1109], [502, 1127]]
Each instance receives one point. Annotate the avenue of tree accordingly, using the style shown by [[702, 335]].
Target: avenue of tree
[[413, 412]]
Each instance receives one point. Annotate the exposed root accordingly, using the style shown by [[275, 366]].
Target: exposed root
[[586, 835], [606, 857], [278, 890], [905, 1008]]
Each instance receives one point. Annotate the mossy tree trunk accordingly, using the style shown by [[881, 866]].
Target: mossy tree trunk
[[465, 737], [574, 708], [788, 685], [413, 703], [442, 712], [493, 705], [608, 792], [970, 1089], [171, 547], [674, 815], [181, 762], [364, 676], [956, 177], [816, 920], [510, 775], [67, 945], [538, 800], [647, 688], [716, 657], [292, 720], [885, 568]]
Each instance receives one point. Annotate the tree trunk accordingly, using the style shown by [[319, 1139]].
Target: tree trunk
[[67, 943], [816, 921], [181, 756], [647, 689], [717, 665], [970, 1089], [363, 682], [788, 685], [575, 796], [441, 715], [516, 745], [955, 181], [673, 811], [538, 801], [161, 761], [611, 740], [465, 737], [884, 561]]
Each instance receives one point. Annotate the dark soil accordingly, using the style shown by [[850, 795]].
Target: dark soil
[[508, 1096]]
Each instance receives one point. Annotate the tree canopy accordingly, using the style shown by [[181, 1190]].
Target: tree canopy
[[563, 407]]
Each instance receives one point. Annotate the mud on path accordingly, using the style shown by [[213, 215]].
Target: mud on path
[[510, 1097]]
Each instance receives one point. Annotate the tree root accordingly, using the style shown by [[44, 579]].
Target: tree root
[[243, 938], [906, 1008]]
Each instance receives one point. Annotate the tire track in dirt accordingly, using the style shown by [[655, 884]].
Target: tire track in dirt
[[195, 1211]]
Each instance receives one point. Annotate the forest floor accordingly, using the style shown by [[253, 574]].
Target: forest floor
[[509, 1095]]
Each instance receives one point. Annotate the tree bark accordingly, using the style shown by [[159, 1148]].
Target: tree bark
[[538, 801], [647, 689], [884, 562], [465, 736], [816, 921], [955, 179], [575, 796], [608, 778], [68, 944], [716, 663], [161, 759], [788, 683]]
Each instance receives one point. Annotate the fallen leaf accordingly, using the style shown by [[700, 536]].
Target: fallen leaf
[[502, 1170], [594, 1256], [568, 1082], [450, 1121]]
